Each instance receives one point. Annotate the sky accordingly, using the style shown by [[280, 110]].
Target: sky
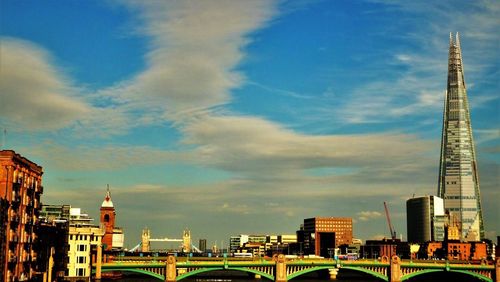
[[245, 117]]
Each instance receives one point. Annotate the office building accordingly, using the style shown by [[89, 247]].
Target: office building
[[202, 245], [458, 182], [425, 219], [20, 189], [321, 235]]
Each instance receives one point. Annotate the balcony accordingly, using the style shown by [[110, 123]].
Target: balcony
[[12, 259], [16, 199], [14, 218], [14, 239]]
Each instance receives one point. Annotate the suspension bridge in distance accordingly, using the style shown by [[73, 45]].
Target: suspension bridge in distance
[[281, 270]]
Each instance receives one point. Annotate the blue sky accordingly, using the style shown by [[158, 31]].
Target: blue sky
[[237, 117]]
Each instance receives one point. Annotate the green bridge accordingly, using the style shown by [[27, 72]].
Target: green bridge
[[281, 270]]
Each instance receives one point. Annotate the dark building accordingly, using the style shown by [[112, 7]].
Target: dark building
[[385, 248], [4, 209], [425, 219], [21, 187], [52, 245], [202, 245]]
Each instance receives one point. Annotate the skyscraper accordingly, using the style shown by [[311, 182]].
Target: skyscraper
[[425, 219], [458, 181]]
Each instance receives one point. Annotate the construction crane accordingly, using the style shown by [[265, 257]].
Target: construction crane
[[391, 228]]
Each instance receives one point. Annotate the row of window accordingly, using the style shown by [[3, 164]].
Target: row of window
[[82, 237]]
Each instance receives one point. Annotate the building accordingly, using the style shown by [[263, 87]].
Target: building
[[52, 246], [113, 237], [84, 245], [425, 219], [385, 248], [202, 245], [4, 212], [20, 188], [186, 241], [458, 182], [321, 235], [84, 249]]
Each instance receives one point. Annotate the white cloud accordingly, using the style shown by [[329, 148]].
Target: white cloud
[[194, 51], [418, 89], [261, 148], [33, 93]]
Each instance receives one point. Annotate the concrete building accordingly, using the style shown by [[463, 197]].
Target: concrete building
[[20, 188], [425, 219], [458, 182], [202, 245], [84, 249], [321, 235]]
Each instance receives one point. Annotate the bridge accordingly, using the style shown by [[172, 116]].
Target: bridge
[[281, 270]]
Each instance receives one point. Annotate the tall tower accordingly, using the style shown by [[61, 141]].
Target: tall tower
[[108, 220], [186, 241], [458, 182], [146, 235]]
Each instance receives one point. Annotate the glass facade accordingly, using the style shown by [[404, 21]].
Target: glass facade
[[458, 181]]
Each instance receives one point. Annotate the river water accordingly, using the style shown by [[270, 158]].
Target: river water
[[344, 276]]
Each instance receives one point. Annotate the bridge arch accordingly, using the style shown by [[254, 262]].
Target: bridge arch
[[317, 268], [426, 271], [367, 271], [135, 270], [242, 269]]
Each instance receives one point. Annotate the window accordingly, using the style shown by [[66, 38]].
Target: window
[[82, 248], [81, 259], [80, 272]]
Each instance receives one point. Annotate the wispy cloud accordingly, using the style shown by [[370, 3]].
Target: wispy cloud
[[33, 92], [419, 87]]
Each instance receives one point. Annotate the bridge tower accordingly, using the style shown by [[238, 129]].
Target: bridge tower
[[146, 235], [108, 220], [186, 241]]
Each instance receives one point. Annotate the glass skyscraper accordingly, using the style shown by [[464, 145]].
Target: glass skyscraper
[[458, 175]]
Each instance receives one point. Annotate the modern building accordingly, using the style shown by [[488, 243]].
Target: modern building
[[113, 237], [20, 188], [202, 245], [458, 182], [425, 219], [321, 235]]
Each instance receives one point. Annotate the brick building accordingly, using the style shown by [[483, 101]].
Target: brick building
[[21, 188], [320, 235]]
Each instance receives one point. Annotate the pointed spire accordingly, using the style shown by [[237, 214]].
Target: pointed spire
[[107, 199], [451, 39]]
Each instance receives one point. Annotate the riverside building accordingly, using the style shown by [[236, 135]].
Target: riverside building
[[20, 191], [458, 182]]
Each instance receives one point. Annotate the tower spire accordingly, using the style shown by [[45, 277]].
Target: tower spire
[[458, 181], [107, 199]]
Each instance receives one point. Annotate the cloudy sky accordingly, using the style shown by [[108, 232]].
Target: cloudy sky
[[236, 117]]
